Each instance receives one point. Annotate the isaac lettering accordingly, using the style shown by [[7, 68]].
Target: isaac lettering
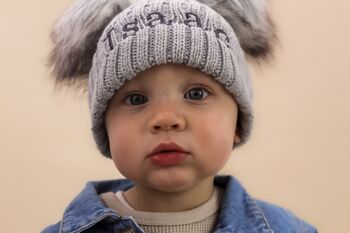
[[155, 18]]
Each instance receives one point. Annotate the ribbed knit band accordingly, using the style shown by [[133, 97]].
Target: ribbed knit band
[[154, 32]]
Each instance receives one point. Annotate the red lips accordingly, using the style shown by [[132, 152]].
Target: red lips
[[166, 154]]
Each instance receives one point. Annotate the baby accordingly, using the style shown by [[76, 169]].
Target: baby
[[170, 98]]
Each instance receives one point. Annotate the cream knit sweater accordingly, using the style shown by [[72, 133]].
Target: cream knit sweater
[[201, 219]]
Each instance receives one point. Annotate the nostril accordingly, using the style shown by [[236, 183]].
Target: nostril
[[156, 127]]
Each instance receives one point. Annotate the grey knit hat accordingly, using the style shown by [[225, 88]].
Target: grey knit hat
[[109, 42]]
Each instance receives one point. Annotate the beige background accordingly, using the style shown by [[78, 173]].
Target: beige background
[[298, 155]]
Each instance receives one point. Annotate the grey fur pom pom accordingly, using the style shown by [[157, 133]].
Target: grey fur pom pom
[[75, 36], [252, 23]]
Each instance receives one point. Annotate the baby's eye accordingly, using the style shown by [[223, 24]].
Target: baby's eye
[[135, 99], [197, 93]]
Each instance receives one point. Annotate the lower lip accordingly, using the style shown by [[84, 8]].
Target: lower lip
[[168, 158]]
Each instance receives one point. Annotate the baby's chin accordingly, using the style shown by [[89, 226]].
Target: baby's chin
[[172, 182], [170, 187]]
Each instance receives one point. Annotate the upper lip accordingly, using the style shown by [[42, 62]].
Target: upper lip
[[167, 146]]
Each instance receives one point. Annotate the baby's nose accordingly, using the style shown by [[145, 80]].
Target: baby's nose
[[167, 118]]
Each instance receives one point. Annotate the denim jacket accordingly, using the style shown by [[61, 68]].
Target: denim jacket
[[239, 212]]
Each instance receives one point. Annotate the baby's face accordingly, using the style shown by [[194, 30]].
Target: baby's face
[[171, 103]]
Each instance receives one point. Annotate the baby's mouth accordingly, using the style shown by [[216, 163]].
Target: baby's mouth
[[167, 147], [168, 158], [167, 154]]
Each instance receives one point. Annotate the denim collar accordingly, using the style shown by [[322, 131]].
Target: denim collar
[[239, 213]]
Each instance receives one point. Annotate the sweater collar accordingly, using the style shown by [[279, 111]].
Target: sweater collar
[[238, 213]]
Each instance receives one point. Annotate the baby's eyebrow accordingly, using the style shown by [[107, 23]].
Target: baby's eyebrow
[[135, 85]]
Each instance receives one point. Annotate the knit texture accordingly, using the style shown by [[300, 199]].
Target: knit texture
[[154, 32], [198, 220]]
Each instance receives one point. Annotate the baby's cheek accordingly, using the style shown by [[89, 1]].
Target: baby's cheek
[[123, 161], [119, 136], [216, 137], [216, 129], [118, 154]]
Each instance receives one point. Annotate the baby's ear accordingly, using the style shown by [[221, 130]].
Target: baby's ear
[[75, 36], [237, 139], [252, 23]]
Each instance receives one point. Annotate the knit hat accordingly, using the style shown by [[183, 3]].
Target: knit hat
[[111, 41]]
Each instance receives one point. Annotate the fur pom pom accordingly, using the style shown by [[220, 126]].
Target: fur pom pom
[[75, 36], [252, 23]]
